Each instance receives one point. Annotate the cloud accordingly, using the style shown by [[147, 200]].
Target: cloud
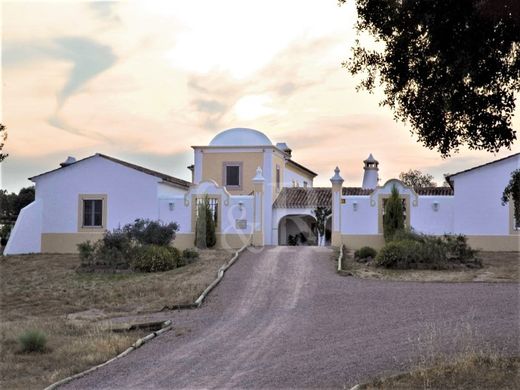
[[89, 57], [59, 123], [103, 9]]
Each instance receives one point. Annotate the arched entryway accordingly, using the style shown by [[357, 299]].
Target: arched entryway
[[297, 229]]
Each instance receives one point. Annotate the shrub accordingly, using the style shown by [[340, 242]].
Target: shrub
[[365, 252], [398, 254], [155, 258], [33, 341], [190, 255], [147, 232], [393, 219], [87, 252], [458, 248]]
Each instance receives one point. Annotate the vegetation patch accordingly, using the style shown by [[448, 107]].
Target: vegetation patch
[[44, 292], [33, 341]]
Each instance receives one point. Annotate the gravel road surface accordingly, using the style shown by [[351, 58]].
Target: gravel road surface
[[282, 318]]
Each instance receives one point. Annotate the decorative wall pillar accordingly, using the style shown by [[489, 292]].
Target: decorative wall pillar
[[337, 186], [259, 192]]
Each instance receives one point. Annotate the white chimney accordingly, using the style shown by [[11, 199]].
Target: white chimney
[[371, 175], [68, 161]]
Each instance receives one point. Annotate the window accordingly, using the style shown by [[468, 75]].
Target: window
[[278, 177], [233, 175], [93, 212]]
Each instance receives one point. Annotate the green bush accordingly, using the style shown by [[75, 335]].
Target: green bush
[[33, 341], [190, 255], [87, 253], [5, 232], [155, 258], [147, 232], [414, 250], [365, 252]]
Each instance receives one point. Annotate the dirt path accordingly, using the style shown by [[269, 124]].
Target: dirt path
[[283, 319]]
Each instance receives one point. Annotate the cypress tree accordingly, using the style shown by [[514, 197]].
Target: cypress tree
[[393, 219]]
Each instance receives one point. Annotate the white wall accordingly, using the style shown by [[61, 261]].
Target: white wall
[[291, 175], [424, 219], [177, 212], [26, 234], [478, 209], [364, 220], [131, 194]]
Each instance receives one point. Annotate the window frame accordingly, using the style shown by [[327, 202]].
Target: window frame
[[81, 212], [227, 164]]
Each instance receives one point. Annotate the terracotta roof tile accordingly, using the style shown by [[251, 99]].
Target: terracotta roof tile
[[357, 191], [435, 191], [300, 197]]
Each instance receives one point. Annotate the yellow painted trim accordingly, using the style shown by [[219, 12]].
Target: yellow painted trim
[[357, 241], [509, 243], [67, 242], [81, 198]]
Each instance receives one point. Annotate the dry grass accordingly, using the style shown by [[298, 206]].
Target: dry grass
[[470, 366], [497, 267], [475, 372], [41, 292]]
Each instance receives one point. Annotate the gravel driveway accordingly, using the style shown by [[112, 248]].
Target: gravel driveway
[[283, 318]]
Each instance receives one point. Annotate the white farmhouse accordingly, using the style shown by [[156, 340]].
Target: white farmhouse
[[259, 195]]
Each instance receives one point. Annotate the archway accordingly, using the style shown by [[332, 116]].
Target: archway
[[297, 229]]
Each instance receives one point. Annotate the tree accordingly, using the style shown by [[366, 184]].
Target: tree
[[448, 67], [393, 218], [3, 137], [512, 193], [416, 179], [321, 213], [205, 236], [11, 204]]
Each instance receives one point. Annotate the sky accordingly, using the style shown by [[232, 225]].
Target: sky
[[144, 80]]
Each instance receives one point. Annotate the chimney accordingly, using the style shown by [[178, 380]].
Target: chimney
[[192, 169], [371, 175], [286, 149], [70, 160]]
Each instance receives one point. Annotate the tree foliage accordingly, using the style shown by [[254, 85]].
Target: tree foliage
[[205, 236], [448, 67], [512, 193], [11, 204], [416, 179], [393, 219], [3, 137], [321, 213]]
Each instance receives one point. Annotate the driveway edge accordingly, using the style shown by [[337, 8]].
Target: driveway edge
[[140, 342]]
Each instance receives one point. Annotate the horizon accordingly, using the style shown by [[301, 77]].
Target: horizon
[[143, 82]]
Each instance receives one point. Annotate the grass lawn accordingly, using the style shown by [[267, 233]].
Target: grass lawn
[[475, 372], [498, 267], [44, 291]]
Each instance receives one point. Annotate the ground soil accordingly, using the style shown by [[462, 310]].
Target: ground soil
[[283, 318], [76, 311]]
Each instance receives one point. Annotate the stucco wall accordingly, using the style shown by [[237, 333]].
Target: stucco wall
[[26, 234], [425, 219], [213, 163], [130, 194], [478, 209], [294, 174]]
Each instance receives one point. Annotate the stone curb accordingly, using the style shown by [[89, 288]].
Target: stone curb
[[140, 342], [220, 275], [340, 258]]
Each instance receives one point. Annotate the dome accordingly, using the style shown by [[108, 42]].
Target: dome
[[240, 137]]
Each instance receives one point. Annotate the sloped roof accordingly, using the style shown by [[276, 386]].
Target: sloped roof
[[449, 177], [301, 197], [434, 191], [357, 191], [167, 178]]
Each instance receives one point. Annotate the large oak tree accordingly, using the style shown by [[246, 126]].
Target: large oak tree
[[449, 67]]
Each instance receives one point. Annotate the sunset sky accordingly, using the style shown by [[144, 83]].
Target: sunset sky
[[145, 80]]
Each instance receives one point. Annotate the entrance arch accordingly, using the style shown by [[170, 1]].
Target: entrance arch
[[297, 229]]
